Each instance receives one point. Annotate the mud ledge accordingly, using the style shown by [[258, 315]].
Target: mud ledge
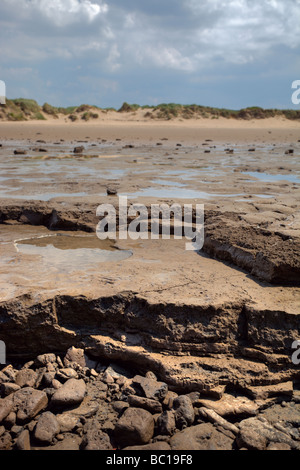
[[188, 347], [269, 255]]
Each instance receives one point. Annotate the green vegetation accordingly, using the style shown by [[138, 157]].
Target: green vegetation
[[22, 109], [89, 115]]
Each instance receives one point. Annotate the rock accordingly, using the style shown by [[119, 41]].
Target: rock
[[278, 446], [169, 399], [120, 406], [65, 374], [6, 406], [29, 402], [290, 415], [108, 378], [146, 403], [201, 437], [94, 438], [44, 359], [70, 443], [8, 388], [213, 417], [184, 411], [70, 394], [256, 433], [194, 397], [20, 152], [251, 440], [136, 426], [111, 191], [26, 378], [47, 428], [166, 424], [67, 422], [269, 391], [159, 446], [78, 150], [10, 420], [230, 405], [23, 441], [86, 409], [151, 388], [77, 356], [5, 441]]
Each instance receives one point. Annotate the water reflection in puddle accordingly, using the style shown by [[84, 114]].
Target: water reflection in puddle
[[266, 177], [71, 252], [177, 192]]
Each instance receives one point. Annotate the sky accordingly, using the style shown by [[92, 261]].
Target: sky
[[222, 53]]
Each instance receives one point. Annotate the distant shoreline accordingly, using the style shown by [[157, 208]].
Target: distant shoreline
[[22, 110]]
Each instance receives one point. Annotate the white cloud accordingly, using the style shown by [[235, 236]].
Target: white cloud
[[113, 58], [65, 12]]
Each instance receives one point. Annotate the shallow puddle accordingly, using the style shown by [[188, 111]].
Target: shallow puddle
[[71, 252], [177, 192], [268, 178]]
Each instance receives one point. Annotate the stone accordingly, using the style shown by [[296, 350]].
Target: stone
[[78, 149], [70, 394], [159, 446], [78, 356], [87, 408], [94, 438], [6, 406], [278, 446], [44, 359], [70, 443], [146, 403], [23, 441], [6, 441], [151, 388], [120, 406], [169, 399], [251, 440], [184, 411], [135, 427], [46, 428], [67, 422], [111, 191], [26, 378], [166, 424], [65, 374], [230, 405], [8, 388], [213, 417], [29, 402], [201, 437], [10, 420], [269, 391], [256, 433]]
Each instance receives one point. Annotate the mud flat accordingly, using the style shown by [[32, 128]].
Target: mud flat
[[219, 322]]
